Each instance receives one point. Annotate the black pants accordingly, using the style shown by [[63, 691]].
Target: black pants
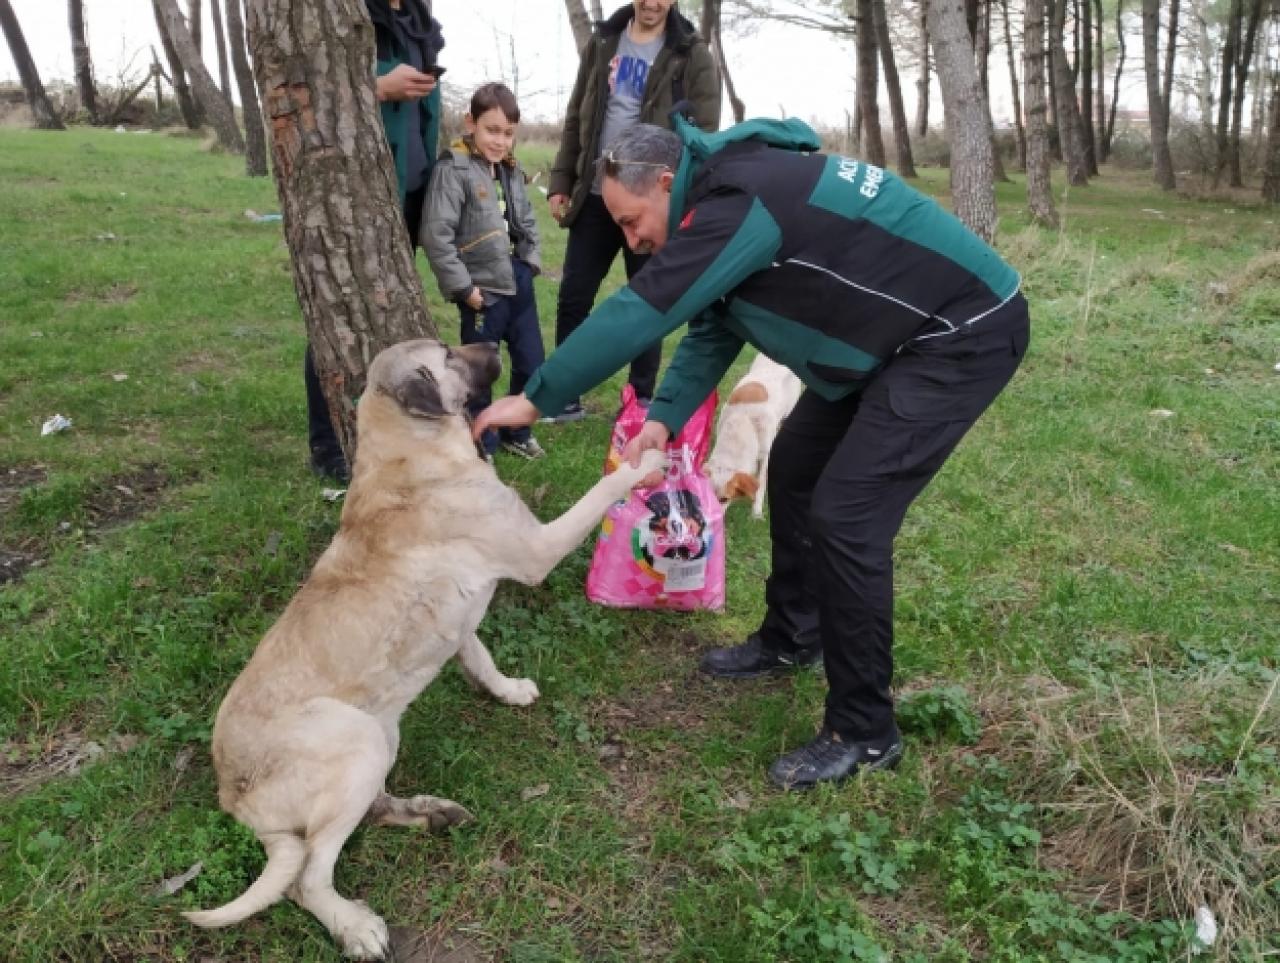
[[513, 319], [320, 431], [594, 242], [841, 477]]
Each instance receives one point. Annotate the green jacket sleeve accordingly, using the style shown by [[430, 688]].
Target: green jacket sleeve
[[702, 88], [725, 239], [704, 355]]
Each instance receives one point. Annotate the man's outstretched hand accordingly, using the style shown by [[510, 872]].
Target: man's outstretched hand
[[513, 411], [654, 434]]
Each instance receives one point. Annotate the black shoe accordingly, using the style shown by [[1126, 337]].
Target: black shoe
[[753, 657], [571, 412], [330, 463], [828, 758]]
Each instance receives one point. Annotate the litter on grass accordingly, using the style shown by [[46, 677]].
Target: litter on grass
[[54, 425]]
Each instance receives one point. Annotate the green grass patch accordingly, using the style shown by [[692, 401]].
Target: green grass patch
[[1086, 624]]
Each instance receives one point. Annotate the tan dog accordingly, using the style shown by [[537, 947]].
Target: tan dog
[[749, 421], [306, 736]]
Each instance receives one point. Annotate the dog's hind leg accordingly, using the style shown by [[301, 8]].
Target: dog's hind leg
[[430, 812], [477, 666], [358, 769]]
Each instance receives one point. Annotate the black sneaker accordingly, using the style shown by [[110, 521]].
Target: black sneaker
[[753, 657], [828, 758], [330, 463], [571, 412]]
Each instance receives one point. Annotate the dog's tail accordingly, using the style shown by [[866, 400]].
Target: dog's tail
[[286, 854]]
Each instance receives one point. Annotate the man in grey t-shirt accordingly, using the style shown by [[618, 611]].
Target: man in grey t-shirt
[[639, 63]]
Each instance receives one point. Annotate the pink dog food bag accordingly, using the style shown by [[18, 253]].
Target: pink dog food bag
[[662, 548]]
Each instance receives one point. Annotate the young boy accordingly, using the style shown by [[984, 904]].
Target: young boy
[[479, 233]]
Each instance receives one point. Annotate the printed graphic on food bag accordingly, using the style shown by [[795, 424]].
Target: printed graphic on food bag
[[672, 543]]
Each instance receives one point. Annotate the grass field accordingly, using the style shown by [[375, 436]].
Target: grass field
[[1088, 602]]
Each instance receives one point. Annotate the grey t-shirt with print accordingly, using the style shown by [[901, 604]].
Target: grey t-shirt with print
[[628, 73]]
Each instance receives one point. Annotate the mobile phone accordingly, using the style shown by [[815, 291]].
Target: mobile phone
[[434, 69]]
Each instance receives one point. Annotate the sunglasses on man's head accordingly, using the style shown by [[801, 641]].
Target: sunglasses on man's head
[[612, 164]]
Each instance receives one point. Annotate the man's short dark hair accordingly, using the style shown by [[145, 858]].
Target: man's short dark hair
[[638, 156]]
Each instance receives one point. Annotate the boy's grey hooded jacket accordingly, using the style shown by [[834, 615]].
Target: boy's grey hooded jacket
[[467, 240]]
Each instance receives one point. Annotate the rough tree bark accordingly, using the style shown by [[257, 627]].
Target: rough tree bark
[[195, 24], [982, 49], [1084, 40], [1162, 160], [353, 265], [972, 178], [922, 81], [220, 46], [187, 105], [1013, 88], [1271, 163], [45, 116], [1070, 129], [83, 62], [714, 36], [216, 107], [1100, 66], [1234, 15], [255, 135], [1115, 84], [579, 22], [868, 83], [1244, 55], [1170, 60], [1039, 186], [901, 133]]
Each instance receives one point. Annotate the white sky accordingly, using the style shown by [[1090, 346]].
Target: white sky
[[803, 73]]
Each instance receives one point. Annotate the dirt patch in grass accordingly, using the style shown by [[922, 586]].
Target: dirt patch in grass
[[122, 498], [25, 767], [412, 945], [202, 362], [116, 294], [16, 557]]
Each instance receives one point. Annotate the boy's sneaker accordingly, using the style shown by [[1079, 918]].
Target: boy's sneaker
[[571, 412], [529, 448]]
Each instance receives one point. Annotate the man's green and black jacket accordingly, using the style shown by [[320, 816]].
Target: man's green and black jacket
[[824, 263]]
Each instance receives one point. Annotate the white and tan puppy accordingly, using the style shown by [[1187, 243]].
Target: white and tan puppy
[[749, 421], [306, 735]]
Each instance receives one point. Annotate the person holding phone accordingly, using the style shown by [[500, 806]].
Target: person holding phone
[[408, 41]]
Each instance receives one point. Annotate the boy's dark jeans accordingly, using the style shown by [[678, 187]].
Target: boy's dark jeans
[[512, 318], [594, 242]]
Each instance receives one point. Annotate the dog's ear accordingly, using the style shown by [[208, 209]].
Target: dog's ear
[[742, 485], [419, 395]]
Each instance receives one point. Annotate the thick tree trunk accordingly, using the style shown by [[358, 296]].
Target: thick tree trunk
[[982, 49], [1084, 40], [580, 23], [1234, 15], [1271, 163], [714, 36], [922, 82], [81, 59], [220, 45], [901, 133], [972, 178], [1039, 187], [255, 135], [45, 116], [868, 83], [187, 105], [353, 265], [1110, 132], [1013, 88], [216, 107], [195, 25], [1162, 160], [1243, 58], [1070, 129], [1099, 62]]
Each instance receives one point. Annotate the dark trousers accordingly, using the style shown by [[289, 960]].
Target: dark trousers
[[512, 318], [841, 477], [594, 242], [320, 433]]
